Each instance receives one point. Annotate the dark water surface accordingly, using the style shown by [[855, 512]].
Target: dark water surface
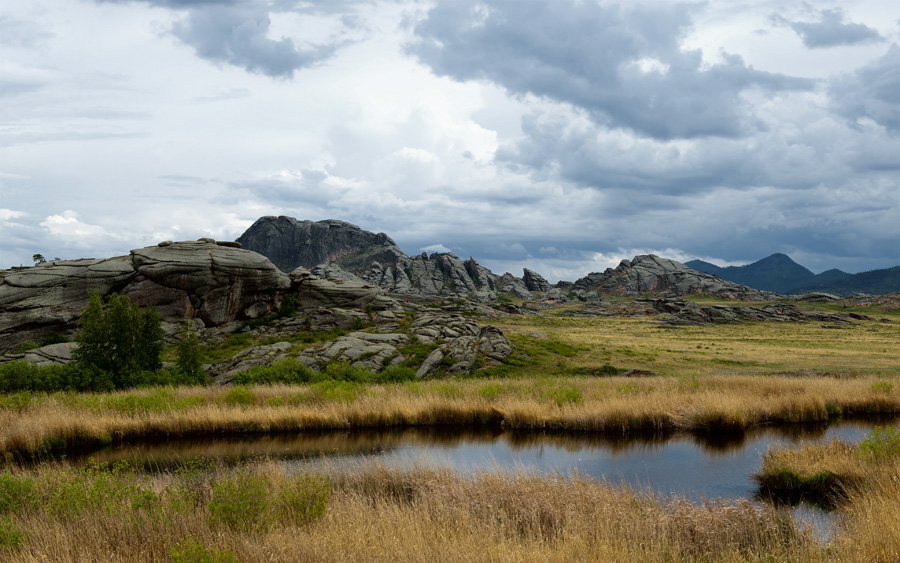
[[682, 464]]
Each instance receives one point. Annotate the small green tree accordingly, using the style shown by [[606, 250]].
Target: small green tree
[[187, 352], [38, 259], [119, 339]]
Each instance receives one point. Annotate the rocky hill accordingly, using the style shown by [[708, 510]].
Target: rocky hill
[[650, 275], [218, 285], [337, 248]]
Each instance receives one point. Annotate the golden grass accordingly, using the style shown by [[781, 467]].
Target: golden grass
[[867, 490], [376, 513], [751, 348], [612, 405]]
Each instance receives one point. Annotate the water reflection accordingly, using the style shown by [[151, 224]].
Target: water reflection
[[692, 465]]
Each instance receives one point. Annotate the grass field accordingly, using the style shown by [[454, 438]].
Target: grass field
[[567, 375]]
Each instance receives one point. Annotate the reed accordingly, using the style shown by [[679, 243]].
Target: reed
[[379, 513], [614, 405]]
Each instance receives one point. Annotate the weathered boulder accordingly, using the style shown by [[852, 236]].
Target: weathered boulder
[[508, 283], [217, 284], [534, 281]]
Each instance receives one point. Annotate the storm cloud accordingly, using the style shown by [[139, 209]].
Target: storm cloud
[[559, 136], [623, 65], [830, 30]]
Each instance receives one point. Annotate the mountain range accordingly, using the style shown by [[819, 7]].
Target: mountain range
[[780, 274]]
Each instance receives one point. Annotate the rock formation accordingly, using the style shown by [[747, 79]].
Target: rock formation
[[339, 250], [217, 284], [652, 275]]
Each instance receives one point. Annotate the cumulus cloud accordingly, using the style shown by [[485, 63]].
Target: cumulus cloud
[[440, 248], [830, 30], [623, 66], [871, 92], [67, 225]]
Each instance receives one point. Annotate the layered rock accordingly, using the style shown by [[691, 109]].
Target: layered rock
[[652, 275], [216, 284], [688, 313]]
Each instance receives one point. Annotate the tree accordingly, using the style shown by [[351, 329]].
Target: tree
[[119, 339], [38, 259], [187, 354]]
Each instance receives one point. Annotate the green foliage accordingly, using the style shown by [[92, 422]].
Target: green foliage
[[240, 501], [343, 371], [341, 391], [288, 307], [187, 354], [882, 444], [490, 391], [54, 339], [303, 498], [15, 492], [288, 371], [189, 550], [394, 374], [564, 395], [23, 376], [240, 396], [26, 346], [416, 352], [119, 339], [358, 324], [883, 386], [10, 535], [833, 410]]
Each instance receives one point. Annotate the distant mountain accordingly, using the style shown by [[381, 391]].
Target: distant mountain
[[876, 282], [776, 273]]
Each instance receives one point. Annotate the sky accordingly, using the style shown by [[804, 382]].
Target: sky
[[558, 135]]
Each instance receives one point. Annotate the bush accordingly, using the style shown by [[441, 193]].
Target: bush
[[303, 498], [883, 386], [343, 371], [240, 396], [119, 339], [15, 492], [394, 374], [240, 501], [288, 371], [882, 444], [26, 346], [190, 550]]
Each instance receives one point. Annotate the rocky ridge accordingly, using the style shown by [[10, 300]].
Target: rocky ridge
[[651, 275], [219, 285]]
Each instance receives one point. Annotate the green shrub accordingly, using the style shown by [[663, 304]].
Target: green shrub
[[240, 501], [883, 386], [54, 339], [26, 346], [15, 492], [343, 371], [190, 550], [416, 352], [394, 374], [240, 395], [882, 444], [303, 498], [343, 391], [288, 307], [10, 535], [288, 371]]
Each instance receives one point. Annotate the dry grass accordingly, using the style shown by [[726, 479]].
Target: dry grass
[[612, 405], [376, 513], [752, 348]]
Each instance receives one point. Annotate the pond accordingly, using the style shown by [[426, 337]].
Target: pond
[[694, 466]]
